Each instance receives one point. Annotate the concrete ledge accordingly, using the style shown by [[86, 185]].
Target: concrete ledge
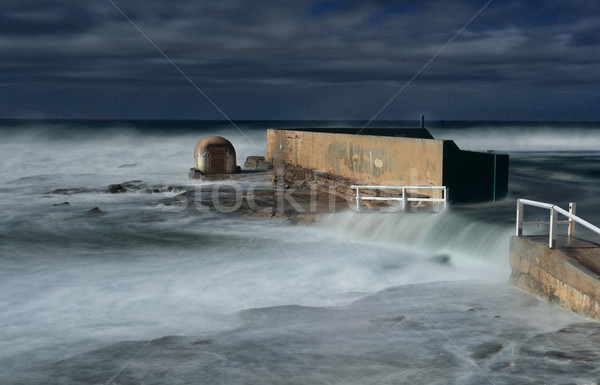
[[566, 275], [257, 163]]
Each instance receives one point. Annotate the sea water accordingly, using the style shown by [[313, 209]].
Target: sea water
[[148, 293]]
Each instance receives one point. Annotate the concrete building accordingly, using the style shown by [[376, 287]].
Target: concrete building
[[215, 155], [392, 157]]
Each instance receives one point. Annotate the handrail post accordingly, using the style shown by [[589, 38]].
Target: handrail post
[[445, 197], [435, 199], [572, 210], [519, 232], [553, 228]]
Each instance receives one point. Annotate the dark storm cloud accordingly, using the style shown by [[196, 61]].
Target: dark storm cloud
[[35, 19], [258, 56]]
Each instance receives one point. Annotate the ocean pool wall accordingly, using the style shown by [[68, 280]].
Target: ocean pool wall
[[564, 275], [388, 160]]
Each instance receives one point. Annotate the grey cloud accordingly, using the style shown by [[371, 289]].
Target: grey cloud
[[239, 47], [34, 19], [587, 38]]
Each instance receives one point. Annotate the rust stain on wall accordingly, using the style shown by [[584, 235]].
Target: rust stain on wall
[[366, 158], [336, 152]]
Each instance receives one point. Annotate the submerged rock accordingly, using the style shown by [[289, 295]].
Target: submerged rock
[[62, 204], [95, 211], [134, 184], [116, 188], [442, 258], [69, 191], [486, 350]]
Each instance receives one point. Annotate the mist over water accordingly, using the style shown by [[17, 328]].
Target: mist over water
[[515, 137], [73, 282], [518, 139]]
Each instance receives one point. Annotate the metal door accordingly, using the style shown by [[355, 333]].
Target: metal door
[[217, 160]]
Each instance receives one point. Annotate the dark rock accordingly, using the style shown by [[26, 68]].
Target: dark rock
[[167, 188], [442, 258], [127, 165], [556, 354], [486, 350], [195, 174], [95, 211], [399, 318], [134, 185], [62, 204], [68, 191], [116, 188], [178, 200]]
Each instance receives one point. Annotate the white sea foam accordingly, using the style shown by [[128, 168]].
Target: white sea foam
[[529, 139], [72, 282]]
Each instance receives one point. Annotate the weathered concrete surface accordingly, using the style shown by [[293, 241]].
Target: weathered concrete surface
[[257, 163], [385, 160], [566, 275], [295, 193], [215, 155], [371, 159]]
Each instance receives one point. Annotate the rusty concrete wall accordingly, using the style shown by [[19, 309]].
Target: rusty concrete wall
[[385, 160], [364, 158], [554, 275]]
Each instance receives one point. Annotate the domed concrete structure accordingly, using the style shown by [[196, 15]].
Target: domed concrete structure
[[215, 155]]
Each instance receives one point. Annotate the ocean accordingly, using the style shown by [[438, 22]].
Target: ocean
[[140, 292]]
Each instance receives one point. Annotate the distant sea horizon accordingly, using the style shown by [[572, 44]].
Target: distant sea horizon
[[332, 123]]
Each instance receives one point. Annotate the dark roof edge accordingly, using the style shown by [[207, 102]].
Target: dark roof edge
[[404, 132]]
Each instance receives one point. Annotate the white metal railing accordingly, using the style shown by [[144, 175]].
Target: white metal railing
[[554, 222], [404, 198]]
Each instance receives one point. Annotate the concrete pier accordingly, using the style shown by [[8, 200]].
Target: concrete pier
[[392, 157], [566, 275]]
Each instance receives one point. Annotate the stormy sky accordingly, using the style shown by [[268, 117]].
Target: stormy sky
[[332, 59]]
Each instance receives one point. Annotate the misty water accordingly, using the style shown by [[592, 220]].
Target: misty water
[[146, 293]]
